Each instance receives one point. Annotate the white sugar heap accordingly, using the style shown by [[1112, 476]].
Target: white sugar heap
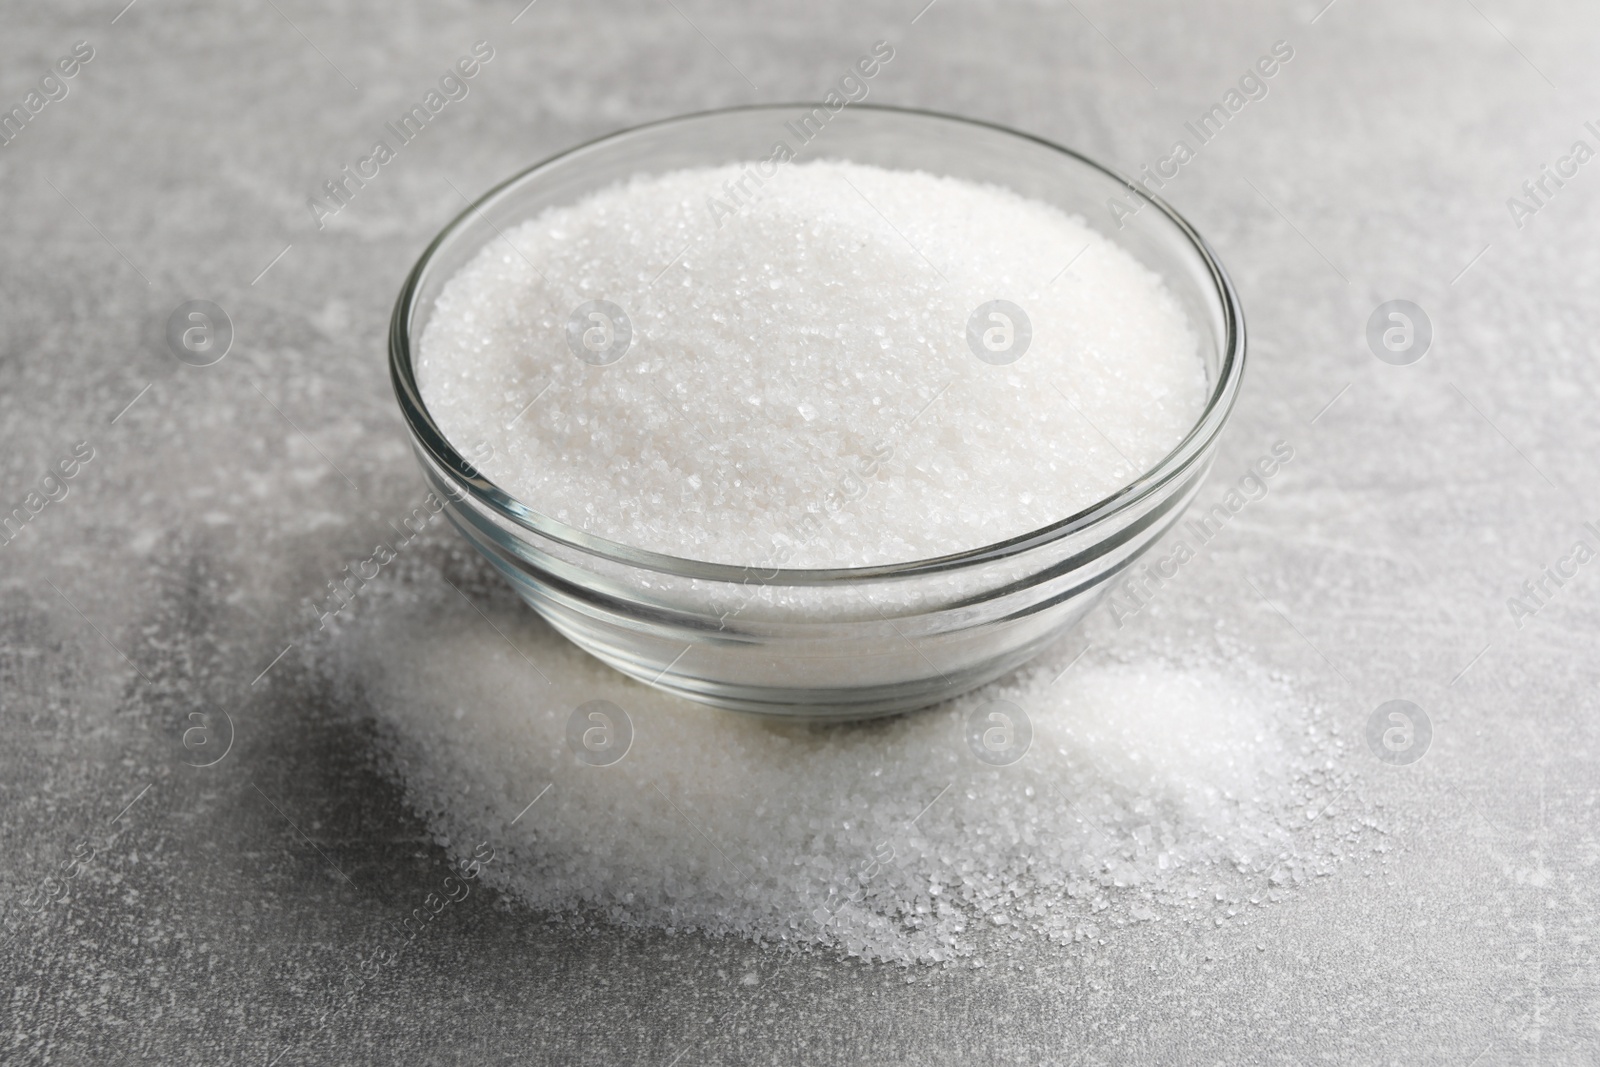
[[789, 349], [823, 326], [1152, 792]]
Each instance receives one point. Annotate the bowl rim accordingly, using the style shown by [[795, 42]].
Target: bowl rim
[[1193, 448]]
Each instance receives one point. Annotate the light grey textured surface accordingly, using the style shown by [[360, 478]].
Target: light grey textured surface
[[222, 913]]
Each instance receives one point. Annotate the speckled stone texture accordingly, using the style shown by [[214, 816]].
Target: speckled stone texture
[[159, 911]]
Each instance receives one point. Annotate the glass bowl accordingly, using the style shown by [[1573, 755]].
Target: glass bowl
[[849, 642]]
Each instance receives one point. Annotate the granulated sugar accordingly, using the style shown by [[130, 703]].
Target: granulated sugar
[[818, 334], [818, 337], [1152, 791]]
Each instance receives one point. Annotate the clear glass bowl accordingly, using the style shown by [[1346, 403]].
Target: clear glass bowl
[[849, 642]]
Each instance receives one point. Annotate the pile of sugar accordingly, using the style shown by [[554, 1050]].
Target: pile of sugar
[[781, 349], [1153, 791]]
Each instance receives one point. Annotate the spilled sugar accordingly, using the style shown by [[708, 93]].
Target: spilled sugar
[[1153, 791], [817, 336]]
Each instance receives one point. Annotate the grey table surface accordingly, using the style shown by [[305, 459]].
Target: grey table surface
[[211, 926]]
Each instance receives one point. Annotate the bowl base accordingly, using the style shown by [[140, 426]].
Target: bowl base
[[816, 703]]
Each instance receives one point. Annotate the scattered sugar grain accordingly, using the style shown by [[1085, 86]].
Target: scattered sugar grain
[[1154, 791]]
